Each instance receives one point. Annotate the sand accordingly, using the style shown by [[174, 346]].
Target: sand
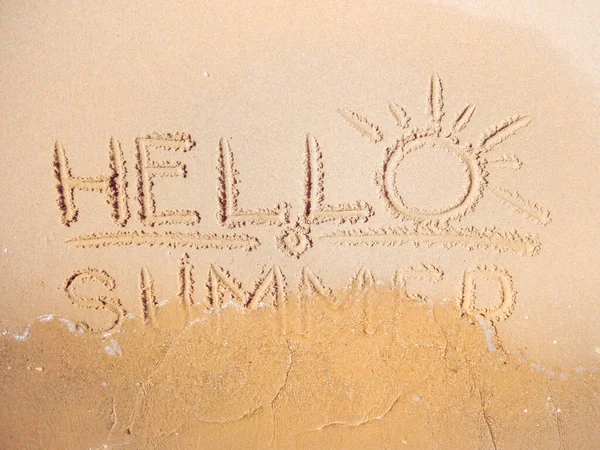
[[326, 225]]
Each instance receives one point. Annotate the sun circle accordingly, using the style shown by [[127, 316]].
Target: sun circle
[[432, 179]]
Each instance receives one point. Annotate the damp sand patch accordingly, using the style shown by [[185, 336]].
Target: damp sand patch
[[369, 367]]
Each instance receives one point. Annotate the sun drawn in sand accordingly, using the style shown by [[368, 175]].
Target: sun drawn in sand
[[470, 162], [432, 179]]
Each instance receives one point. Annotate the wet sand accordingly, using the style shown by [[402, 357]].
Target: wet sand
[[362, 367]]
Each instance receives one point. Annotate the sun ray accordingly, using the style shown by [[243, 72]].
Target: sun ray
[[505, 161], [436, 100], [362, 125], [399, 114], [499, 133], [463, 118], [528, 209]]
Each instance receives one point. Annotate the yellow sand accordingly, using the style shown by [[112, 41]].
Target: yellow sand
[[337, 224]]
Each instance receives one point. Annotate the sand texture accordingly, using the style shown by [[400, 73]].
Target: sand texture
[[317, 225]]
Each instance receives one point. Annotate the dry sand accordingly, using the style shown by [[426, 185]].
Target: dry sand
[[322, 225]]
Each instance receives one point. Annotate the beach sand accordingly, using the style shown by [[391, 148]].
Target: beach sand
[[321, 225]]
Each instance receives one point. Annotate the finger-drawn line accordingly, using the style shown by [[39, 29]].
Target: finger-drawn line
[[399, 114], [147, 297], [435, 101], [100, 302], [506, 161], [469, 238], [506, 304], [219, 283], [273, 282], [315, 209], [117, 184], [362, 125], [363, 280], [530, 210], [423, 272], [471, 191], [499, 133], [294, 241], [310, 284], [463, 118], [113, 185], [364, 283], [168, 238], [229, 213], [148, 169], [186, 284]]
